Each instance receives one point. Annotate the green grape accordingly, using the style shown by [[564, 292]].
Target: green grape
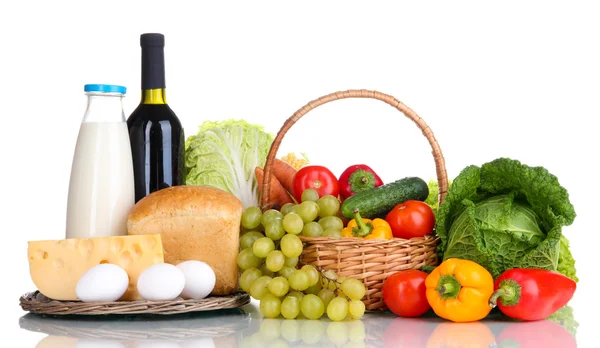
[[260, 287], [312, 229], [337, 309], [312, 331], [248, 277], [269, 330], [262, 247], [353, 288], [265, 271], [279, 286], [286, 271], [328, 279], [337, 333], [291, 261], [270, 305], [275, 261], [290, 307], [334, 222], [332, 233], [356, 331], [297, 294], [286, 208], [328, 206], [309, 195], [274, 229], [299, 280], [308, 211], [294, 209], [330, 274], [326, 295], [292, 223], [270, 215], [290, 329], [312, 307], [248, 239], [246, 259], [314, 289], [251, 217], [291, 245], [356, 309], [313, 274]]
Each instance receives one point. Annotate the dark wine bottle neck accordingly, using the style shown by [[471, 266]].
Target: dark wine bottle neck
[[153, 67]]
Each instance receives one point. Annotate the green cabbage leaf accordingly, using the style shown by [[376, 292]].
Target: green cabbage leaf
[[224, 155], [505, 214]]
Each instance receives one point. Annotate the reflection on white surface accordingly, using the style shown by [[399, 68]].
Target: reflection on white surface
[[246, 328]]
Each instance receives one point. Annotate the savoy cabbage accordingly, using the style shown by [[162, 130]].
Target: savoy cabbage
[[505, 214]]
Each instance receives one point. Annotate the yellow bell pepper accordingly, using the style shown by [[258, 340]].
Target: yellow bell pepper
[[367, 229], [459, 290]]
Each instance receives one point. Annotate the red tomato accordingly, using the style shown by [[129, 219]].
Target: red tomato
[[316, 177], [411, 219], [404, 293]]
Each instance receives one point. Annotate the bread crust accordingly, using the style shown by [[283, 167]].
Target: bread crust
[[195, 223]]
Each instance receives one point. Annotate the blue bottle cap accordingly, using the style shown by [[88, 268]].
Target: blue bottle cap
[[104, 88]]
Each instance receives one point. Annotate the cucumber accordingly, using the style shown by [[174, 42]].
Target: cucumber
[[378, 201]]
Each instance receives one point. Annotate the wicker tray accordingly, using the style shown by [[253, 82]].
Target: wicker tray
[[371, 261], [36, 302]]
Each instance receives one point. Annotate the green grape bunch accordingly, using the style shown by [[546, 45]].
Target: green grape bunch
[[270, 248]]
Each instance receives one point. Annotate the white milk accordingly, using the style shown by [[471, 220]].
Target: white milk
[[101, 191]]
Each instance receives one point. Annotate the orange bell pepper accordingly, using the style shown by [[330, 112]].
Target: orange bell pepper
[[367, 228], [459, 290]]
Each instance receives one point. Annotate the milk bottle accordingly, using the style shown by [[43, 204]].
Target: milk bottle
[[101, 188]]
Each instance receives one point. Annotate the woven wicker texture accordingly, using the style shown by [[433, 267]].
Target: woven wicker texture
[[36, 302], [371, 261]]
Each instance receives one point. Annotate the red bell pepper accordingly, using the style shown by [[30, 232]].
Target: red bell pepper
[[356, 178], [531, 293]]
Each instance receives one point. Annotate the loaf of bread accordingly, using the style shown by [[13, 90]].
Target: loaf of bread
[[195, 223]]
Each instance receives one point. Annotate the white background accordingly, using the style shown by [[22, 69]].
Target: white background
[[516, 79]]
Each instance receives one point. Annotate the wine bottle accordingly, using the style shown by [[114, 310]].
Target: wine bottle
[[156, 135]]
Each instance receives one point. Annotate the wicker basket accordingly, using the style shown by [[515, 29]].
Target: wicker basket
[[371, 261]]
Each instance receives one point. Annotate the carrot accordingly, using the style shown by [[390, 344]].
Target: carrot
[[284, 172], [278, 194]]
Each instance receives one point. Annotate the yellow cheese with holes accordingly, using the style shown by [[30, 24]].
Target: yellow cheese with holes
[[56, 265]]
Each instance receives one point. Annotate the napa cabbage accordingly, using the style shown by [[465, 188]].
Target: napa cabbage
[[224, 155]]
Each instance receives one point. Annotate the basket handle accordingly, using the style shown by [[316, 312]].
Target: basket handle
[[440, 165]]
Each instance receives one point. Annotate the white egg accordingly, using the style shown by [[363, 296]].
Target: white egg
[[102, 283], [199, 279], [161, 282]]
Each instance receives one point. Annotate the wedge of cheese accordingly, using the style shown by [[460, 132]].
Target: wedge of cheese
[[56, 265]]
